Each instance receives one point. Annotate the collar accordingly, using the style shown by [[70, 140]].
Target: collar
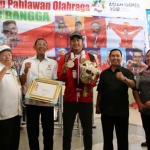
[[73, 56], [35, 57], [119, 68], [13, 67]]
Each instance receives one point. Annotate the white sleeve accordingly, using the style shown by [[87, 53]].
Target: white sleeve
[[22, 68], [55, 70]]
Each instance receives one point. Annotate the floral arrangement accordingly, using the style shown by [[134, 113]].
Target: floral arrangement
[[88, 71]]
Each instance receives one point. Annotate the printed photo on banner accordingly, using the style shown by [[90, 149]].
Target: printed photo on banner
[[64, 26], [97, 55], [62, 32], [20, 35], [104, 24], [105, 57], [59, 52], [126, 33], [135, 60], [9, 33], [95, 32]]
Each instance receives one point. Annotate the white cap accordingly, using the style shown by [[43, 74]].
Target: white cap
[[4, 47]]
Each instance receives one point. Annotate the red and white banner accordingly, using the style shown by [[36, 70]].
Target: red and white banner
[[104, 24]]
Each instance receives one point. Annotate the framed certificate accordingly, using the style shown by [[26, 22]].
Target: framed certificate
[[45, 90]]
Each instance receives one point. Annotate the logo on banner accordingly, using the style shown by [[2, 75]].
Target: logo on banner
[[99, 5]]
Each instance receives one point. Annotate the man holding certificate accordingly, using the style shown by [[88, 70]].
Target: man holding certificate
[[39, 66], [78, 92]]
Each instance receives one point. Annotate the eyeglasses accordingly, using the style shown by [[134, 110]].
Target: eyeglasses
[[6, 55], [41, 44], [9, 29]]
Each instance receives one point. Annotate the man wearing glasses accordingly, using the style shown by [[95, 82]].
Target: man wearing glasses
[[10, 101], [39, 66], [10, 30]]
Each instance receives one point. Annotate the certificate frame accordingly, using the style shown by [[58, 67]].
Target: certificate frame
[[34, 91]]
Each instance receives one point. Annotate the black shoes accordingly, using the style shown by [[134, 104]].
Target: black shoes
[[144, 144]]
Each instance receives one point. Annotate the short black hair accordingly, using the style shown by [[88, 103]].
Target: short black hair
[[78, 22], [115, 50], [38, 40], [137, 50], [147, 51], [6, 23], [146, 55]]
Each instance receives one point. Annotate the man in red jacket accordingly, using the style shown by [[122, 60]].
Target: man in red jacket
[[74, 101], [61, 36]]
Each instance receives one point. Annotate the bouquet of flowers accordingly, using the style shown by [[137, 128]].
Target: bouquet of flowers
[[88, 72]]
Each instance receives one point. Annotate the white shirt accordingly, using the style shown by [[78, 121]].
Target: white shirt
[[47, 68], [10, 95]]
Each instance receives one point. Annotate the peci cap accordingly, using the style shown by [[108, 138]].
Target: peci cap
[[4, 47], [75, 34]]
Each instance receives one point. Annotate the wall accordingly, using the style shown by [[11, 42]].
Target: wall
[[147, 4]]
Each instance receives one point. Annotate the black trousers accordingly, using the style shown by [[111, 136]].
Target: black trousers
[[70, 111], [121, 128], [23, 109], [47, 120], [146, 126], [10, 133]]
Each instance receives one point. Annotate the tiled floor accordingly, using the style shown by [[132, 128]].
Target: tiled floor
[[136, 135]]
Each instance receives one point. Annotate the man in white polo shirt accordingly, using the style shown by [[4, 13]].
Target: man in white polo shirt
[[39, 66], [10, 101]]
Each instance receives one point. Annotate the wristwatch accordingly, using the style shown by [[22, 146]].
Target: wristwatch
[[125, 79]]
